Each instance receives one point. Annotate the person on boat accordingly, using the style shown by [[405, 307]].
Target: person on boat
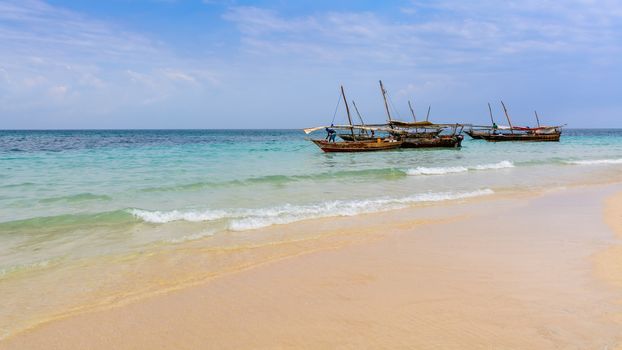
[[494, 128], [372, 134], [330, 134]]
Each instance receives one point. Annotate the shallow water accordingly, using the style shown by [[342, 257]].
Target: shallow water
[[76, 194]]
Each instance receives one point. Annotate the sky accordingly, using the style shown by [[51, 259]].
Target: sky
[[279, 64]]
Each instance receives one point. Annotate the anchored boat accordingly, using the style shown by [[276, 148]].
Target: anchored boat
[[421, 134], [354, 144], [497, 133]]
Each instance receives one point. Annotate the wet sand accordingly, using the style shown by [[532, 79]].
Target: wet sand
[[508, 273]]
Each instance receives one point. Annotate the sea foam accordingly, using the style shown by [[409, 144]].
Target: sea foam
[[459, 169], [248, 219], [596, 161]]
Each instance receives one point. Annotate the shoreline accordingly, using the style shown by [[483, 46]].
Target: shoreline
[[325, 233], [398, 232]]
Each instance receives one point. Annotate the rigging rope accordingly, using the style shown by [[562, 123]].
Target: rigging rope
[[393, 106], [336, 107]]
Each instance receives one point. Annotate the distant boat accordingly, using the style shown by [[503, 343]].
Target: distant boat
[[515, 133], [531, 137]]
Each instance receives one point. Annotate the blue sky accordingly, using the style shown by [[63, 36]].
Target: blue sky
[[236, 64]]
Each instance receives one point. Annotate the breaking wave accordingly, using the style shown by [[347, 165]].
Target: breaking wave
[[459, 169], [596, 161], [248, 219]]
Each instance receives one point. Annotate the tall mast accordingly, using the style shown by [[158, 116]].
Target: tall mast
[[384, 96], [345, 101], [428, 115], [490, 110], [505, 110], [537, 119], [411, 111]]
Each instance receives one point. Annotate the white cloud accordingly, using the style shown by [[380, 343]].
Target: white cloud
[[447, 32], [49, 54]]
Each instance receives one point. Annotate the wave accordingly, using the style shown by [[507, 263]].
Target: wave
[[231, 219], [350, 175], [248, 219], [278, 180], [162, 217], [596, 161], [459, 169]]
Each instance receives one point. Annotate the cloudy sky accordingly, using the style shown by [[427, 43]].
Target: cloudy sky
[[279, 64]]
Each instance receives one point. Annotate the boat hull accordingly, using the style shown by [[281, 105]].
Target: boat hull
[[522, 137], [443, 141], [476, 135], [356, 146], [349, 137]]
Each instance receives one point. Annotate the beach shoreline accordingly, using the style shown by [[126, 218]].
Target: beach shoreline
[[438, 276]]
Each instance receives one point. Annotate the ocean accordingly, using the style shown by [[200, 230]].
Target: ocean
[[63, 194], [92, 218]]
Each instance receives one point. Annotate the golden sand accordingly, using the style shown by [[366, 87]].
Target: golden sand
[[497, 274]]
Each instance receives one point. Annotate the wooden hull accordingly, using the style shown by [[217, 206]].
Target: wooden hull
[[421, 135], [357, 146], [522, 137], [443, 141], [348, 137], [476, 135]]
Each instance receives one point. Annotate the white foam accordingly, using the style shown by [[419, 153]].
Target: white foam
[[501, 165], [459, 169], [596, 161], [161, 217], [343, 208], [436, 171], [248, 219]]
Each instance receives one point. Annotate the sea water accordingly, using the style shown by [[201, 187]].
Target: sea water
[[69, 195]]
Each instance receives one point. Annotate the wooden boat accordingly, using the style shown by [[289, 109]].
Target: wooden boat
[[516, 133], [530, 137], [355, 145], [420, 134], [358, 146]]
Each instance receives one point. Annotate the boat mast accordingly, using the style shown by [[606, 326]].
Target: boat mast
[[345, 101], [428, 115], [384, 96], [490, 110], [411, 111], [537, 119], [505, 110]]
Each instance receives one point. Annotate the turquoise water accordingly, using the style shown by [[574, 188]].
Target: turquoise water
[[75, 194]]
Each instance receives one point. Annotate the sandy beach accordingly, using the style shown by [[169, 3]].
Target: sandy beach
[[510, 272], [214, 174]]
